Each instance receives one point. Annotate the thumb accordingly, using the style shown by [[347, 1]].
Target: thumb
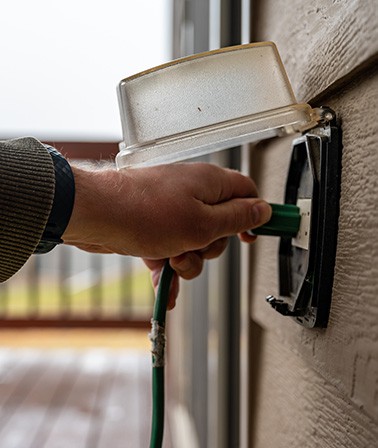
[[241, 214]]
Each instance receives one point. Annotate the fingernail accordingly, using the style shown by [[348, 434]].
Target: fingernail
[[261, 213]]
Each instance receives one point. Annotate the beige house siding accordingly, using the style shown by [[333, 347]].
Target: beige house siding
[[320, 387], [321, 42]]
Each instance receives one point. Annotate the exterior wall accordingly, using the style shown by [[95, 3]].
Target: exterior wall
[[320, 41], [320, 387]]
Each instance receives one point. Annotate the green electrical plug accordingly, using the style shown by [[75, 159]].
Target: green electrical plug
[[285, 221]]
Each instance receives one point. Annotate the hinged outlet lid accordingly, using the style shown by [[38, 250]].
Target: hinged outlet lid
[[208, 102]]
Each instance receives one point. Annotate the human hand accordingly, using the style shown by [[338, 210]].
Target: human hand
[[188, 266], [184, 212]]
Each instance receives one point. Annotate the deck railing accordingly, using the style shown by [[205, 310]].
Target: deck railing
[[71, 288]]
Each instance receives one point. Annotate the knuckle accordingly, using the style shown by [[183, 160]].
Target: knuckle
[[242, 216]]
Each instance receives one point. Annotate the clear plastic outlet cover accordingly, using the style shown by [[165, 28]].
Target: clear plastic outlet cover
[[207, 102]]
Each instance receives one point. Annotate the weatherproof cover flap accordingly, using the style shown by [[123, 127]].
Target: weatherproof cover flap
[[207, 102]]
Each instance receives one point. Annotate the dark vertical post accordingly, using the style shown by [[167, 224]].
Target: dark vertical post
[[34, 287], [4, 297], [97, 289], [126, 302], [231, 21], [64, 289]]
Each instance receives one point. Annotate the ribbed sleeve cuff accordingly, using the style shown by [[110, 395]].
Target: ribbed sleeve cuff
[[27, 184]]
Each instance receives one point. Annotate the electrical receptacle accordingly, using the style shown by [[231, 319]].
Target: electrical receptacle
[[303, 236], [306, 261]]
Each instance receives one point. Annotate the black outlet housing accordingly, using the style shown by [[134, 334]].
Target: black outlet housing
[[306, 274]]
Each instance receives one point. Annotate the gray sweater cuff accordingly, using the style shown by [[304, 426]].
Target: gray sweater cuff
[[27, 184]]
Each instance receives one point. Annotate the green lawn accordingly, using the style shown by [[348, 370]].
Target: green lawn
[[131, 293]]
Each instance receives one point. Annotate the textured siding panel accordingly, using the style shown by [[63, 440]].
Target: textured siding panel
[[320, 387], [324, 418], [319, 41], [346, 353]]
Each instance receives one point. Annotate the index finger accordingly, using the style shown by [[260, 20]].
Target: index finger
[[224, 184]]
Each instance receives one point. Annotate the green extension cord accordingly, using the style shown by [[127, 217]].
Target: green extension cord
[[157, 337], [285, 221]]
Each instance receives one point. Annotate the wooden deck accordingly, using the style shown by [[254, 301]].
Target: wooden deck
[[88, 398]]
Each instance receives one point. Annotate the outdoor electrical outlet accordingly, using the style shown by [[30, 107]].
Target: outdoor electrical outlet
[[302, 238], [306, 261], [224, 98]]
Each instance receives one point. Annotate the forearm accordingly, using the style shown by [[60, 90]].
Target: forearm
[[93, 207]]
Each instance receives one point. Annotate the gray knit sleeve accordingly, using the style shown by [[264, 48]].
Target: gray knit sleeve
[[27, 184]]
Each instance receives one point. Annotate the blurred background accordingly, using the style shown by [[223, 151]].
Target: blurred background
[[61, 66], [74, 349], [63, 61]]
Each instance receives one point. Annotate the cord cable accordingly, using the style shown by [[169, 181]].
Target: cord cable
[[157, 337]]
